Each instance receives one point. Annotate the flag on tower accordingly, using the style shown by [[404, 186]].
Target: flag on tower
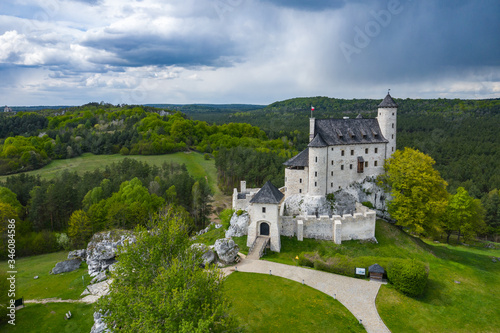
[[312, 109]]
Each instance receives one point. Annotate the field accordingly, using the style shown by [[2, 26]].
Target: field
[[195, 163], [266, 303], [65, 285], [462, 293]]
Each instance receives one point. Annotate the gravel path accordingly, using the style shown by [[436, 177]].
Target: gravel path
[[357, 295], [87, 299]]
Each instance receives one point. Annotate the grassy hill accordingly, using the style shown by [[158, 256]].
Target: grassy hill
[[195, 163]]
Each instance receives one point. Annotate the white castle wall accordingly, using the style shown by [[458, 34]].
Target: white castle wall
[[361, 225], [387, 120], [317, 170], [296, 181]]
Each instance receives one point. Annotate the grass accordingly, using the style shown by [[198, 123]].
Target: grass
[[49, 317], [65, 285], [446, 306], [197, 166], [266, 303], [212, 235]]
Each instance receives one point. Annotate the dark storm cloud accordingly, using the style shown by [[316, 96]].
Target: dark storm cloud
[[185, 51], [423, 40]]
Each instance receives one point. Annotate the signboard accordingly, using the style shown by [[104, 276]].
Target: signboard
[[360, 271]]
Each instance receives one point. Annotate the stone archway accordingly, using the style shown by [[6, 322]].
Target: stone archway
[[264, 229]]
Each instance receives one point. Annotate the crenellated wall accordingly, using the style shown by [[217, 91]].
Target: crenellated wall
[[360, 225]]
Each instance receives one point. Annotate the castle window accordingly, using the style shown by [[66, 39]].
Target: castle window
[[332, 162], [342, 152], [315, 173], [376, 150], [332, 148], [393, 113], [375, 163], [315, 184], [263, 209], [392, 125], [366, 164], [331, 184], [352, 152], [300, 180], [341, 167], [392, 137], [331, 173], [316, 159], [366, 150], [392, 148], [350, 166], [300, 190]]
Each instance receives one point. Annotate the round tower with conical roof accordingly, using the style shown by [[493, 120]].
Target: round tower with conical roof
[[387, 120]]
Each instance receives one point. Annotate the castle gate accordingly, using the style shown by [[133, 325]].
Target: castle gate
[[264, 229]]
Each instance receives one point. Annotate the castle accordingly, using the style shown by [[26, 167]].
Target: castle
[[340, 152]]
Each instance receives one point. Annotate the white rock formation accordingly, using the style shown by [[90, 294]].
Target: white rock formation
[[226, 250], [238, 225], [102, 249]]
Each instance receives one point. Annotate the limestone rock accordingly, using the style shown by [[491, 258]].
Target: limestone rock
[[101, 276], [99, 325], [367, 190], [102, 249], [99, 289], [208, 255], [303, 205], [78, 254], [238, 225], [226, 250], [66, 266]]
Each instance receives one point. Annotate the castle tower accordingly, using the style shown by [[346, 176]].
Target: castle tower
[[318, 151], [387, 116]]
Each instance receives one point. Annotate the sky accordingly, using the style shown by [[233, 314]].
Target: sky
[[71, 52]]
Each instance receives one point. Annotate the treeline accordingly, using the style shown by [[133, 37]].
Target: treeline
[[253, 166], [121, 195], [107, 129]]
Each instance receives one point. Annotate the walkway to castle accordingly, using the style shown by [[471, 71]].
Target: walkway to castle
[[357, 295]]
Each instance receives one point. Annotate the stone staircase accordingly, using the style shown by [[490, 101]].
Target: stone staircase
[[258, 248]]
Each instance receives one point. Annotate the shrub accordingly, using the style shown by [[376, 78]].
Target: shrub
[[308, 258], [409, 276], [206, 157], [239, 212], [367, 204], [63, 241]]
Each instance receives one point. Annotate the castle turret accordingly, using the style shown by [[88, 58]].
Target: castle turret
[[312, 122], [318, 151], [387, 116]]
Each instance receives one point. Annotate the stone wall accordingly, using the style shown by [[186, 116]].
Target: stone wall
[[360, 225]]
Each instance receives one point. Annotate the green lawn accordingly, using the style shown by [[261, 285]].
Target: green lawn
[[266, 303], [195, 163], [446, 306], [43, 318], [65, 285]]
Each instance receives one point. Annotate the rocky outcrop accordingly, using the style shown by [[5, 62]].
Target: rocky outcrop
[[226, 250], [99, 325], [238, 225], [365, 191], [78, 254], [102, 249], [303, 205], [208, 255], [66, 266]]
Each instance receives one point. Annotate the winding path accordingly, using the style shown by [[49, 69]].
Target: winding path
[[357, 295]]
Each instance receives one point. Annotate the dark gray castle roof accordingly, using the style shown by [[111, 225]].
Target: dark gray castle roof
[[317, 142], [299, 160], [268, 194], [376, 268], [388, 102], [349, 131]]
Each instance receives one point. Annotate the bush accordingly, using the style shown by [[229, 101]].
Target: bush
[[239, 212], [308, 258], [409, 276], [339, 264], [367, 204]]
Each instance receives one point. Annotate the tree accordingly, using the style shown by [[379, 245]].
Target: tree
[[159, 285], [79, 228], [463, 214], [418, 192]]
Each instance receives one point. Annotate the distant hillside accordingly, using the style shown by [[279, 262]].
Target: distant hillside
[[210, 108]]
